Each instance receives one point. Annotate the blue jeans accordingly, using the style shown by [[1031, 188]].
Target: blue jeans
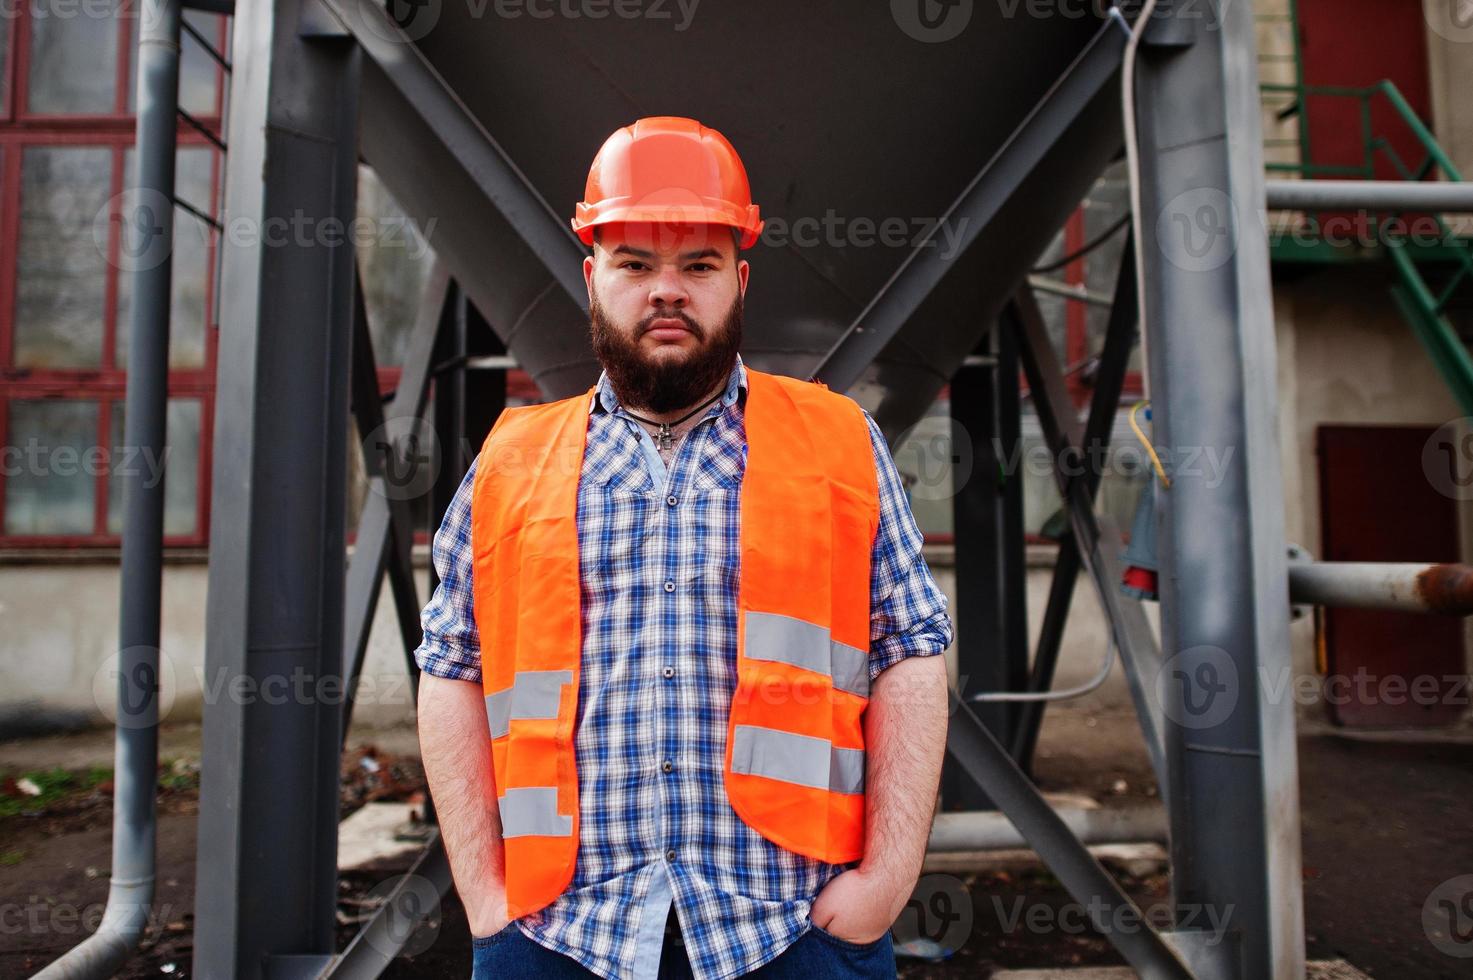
[[816, 955]]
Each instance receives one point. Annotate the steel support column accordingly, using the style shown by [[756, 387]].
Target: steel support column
[[1208, 314], [463, 412], [266, 879], [991, 580]]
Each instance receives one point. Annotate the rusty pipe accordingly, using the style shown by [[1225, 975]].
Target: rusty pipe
[[1404, 586]]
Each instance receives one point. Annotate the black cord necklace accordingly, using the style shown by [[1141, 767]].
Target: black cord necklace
[[662, 438]]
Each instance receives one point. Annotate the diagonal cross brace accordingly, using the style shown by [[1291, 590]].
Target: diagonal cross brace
[[1120, 336], [1110, 909], [973, 210], [461, 133], [1098, 540], [385, 528]]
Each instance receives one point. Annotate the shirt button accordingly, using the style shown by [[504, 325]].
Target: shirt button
[[670, 854], [668, 671], [667, 765], [672, 500], [669, 586]]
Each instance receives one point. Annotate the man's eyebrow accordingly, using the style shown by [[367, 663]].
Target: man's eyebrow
[[639, 253]]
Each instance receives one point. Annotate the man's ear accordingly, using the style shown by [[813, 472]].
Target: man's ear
[[588, 276], [743, 271]]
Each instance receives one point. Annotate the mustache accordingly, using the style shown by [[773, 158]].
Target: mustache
[[644, 325]]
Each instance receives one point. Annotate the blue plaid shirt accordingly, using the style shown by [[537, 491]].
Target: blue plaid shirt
[[656, 685]]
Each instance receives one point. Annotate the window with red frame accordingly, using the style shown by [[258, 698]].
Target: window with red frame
[[66, 156]]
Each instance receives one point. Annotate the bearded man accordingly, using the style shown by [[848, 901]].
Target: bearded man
[[682, 713]]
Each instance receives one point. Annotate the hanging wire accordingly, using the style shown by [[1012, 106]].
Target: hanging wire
[[1063, 694], [1084, 250], [1150, 449], [1133, 166]]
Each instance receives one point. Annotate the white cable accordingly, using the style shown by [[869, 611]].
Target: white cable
[[1133, 168], [1060, 695]]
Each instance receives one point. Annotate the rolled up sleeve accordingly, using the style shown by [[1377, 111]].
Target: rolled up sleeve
[[907, 610], [452, 645]]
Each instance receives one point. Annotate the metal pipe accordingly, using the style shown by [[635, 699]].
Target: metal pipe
[[492, 362], [150, 225], [1371, 195], [987, 830], [1405, 586], [1053, 287]]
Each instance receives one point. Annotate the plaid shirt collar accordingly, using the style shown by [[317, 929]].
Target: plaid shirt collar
[[604, 398]]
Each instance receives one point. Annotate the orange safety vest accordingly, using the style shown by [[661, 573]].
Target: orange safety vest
[[809, 507]]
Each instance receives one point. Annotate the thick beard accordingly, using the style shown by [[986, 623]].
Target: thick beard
[[665, 384]]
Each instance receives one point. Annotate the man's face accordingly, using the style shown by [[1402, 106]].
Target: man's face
[[665, 304]]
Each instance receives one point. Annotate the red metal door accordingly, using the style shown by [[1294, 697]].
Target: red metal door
[[1387, 669], [1358, 43]]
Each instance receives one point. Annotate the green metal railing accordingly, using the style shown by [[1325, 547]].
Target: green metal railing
[[1424, 308], [1372, 143]]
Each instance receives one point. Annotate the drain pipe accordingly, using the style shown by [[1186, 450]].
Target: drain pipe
[[148, 235]]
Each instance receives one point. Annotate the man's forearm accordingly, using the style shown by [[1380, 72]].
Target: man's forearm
[[455, 745], [905, 740]]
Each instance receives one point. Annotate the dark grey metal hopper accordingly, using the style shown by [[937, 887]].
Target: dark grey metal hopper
[[835, 109]]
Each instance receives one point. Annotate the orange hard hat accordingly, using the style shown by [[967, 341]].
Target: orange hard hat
[[668, 170]]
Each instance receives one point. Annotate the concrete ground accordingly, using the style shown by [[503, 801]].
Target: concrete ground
[[1385, 834]]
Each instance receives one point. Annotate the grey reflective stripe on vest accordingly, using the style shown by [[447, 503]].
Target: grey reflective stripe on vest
[[792, 758], [534, 694], [772, 636], [532, 812]]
